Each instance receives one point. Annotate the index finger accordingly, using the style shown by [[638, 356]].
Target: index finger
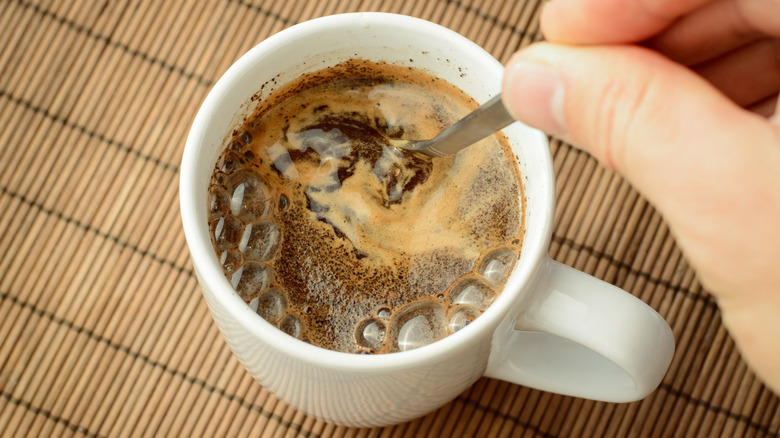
[[611, 21]]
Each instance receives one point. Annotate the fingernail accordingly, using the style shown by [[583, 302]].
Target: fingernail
[[534, 94]]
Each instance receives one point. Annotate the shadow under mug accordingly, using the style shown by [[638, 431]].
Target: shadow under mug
[[552, 328]]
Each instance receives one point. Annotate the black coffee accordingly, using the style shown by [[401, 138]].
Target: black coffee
[[345, 241]]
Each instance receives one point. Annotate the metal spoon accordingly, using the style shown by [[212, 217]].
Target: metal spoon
[[490, 117]]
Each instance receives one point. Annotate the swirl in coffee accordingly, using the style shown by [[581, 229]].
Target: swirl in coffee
[[343, 240]]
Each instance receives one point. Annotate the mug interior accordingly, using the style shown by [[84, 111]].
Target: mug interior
[[324, 42]]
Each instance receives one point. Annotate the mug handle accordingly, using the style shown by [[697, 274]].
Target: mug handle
[[583, 337]]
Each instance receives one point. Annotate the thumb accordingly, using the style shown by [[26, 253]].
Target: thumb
[[669, 132], [623, 104]]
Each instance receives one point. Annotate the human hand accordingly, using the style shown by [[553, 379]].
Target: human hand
[[677, 96]]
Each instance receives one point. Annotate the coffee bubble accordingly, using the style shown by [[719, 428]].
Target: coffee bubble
[[219, 202], [272, 305], [253, 304], [417, 325], [230, 161], [260, 240], [473, 292], [284, 203], [253, 279], [250, 198], [497, 264], [370, 334], [226, 232], [231, 261], [458, 317], [292, 325], [246, 137]]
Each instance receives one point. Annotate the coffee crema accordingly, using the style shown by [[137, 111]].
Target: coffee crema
[[343, 240]]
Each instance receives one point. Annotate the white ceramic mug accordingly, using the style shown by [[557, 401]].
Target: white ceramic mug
[[552, 328]]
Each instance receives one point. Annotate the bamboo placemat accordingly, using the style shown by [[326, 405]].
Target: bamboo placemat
[[103, 331]]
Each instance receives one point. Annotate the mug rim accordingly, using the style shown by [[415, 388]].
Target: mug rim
[[209, 272]]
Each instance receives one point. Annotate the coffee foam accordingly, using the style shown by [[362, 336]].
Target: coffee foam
[[368, 227]]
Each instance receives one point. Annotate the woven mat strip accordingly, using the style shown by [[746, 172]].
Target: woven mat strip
[[104, 332]]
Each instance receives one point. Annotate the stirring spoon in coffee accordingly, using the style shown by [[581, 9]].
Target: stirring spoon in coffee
[[490, 117]]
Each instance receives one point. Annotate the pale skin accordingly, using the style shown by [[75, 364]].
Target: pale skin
[[680, 98]]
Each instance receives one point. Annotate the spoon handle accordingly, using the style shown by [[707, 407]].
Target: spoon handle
[[490, 117]]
